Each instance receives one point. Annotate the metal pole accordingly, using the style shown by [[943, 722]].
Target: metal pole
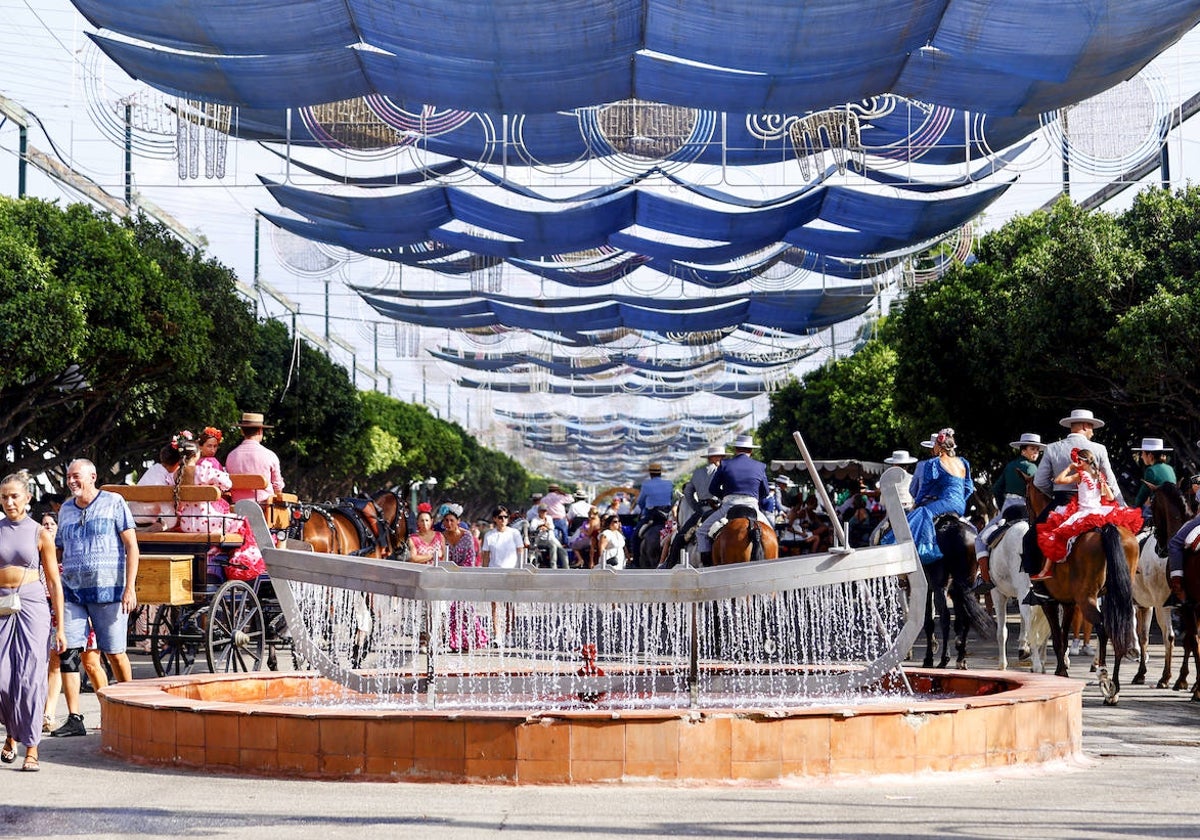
[[128, 155], [23, 152], [843, 545]]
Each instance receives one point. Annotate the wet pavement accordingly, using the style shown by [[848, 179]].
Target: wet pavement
[[1138, 777]]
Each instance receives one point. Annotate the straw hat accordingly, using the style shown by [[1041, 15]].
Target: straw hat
[[900, 456], [1028, 439], [1081, 415], [1152, 445], [253, 420], [655, 468], [744, 442]]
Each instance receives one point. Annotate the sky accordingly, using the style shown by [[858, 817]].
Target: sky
[[49, 67]]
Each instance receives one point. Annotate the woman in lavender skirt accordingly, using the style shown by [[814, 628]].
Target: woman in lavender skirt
[[25, 546]]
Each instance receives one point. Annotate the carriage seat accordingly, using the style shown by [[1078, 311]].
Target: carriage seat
[[276, 507], [175, 542]]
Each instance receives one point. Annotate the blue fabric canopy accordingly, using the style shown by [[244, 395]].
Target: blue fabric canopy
[[1000, 57]]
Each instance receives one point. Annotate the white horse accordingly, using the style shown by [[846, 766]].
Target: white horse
[[1150, 590], [1010, 582]]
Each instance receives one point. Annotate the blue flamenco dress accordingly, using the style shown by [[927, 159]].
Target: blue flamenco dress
[[941, 492]]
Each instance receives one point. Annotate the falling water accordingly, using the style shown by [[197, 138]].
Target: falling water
[[771, 650]]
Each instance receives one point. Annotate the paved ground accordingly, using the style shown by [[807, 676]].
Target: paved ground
[[1139, 778]]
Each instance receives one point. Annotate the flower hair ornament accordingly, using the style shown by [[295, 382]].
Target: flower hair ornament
[[425, 507], [210, 432], [181, 438]]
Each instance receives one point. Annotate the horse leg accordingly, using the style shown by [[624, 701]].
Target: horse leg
[[944, 621], [962, 625], [1162, 616], [1142, 622], [1058, 635], [1000, 609], [930, 638], [1025, 640]]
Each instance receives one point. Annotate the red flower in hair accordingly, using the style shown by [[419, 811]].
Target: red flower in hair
[[424, 507], [210, 432], [1075, 455]]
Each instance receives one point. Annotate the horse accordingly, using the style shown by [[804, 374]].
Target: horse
[[1150, 587], [743, 538], [393, 521], [1011, 582], [1189, 618], [953, 575], [1100, 561], [650, 544]]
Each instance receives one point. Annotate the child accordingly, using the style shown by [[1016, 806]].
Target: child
[[1094, 505]]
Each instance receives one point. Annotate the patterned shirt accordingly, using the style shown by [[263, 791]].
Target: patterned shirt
[[93, 555]]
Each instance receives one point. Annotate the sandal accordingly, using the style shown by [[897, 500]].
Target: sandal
[[30, 765], [9, 754]]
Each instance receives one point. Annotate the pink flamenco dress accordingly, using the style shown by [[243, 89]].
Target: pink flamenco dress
[[1086, 512], [243, 563], [466, 626]]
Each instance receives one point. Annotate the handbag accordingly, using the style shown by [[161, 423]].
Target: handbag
[[10, 603]]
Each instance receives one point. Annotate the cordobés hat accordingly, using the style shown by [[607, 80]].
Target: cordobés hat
[[1152, 445], [1028, 439], [1081, 415], [253, 420], [715, 451], [928, 444], [744, 442], [900, 456]]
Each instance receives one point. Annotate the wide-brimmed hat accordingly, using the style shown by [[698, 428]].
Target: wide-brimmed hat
[[655, 468], [900, 456], [253, 420], [928, 444], [554, 488], [715, 451], [784, 481], [1028, 439], [744, 442], [580, 494], [1152, 445], [1081, 415]]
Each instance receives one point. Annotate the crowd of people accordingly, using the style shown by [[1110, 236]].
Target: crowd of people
[[67, 583]]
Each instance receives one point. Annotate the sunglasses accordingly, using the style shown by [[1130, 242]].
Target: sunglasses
[[501, 516]]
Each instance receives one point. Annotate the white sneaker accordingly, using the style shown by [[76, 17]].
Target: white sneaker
[[1074, 647], [1087, 650]]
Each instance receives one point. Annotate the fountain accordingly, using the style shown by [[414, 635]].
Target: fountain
[[753, 672]]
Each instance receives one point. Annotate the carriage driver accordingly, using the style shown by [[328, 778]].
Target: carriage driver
[[739, 480], [1008, 490]]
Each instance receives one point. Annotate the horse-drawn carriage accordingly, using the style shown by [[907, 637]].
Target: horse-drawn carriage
[[189, 611]]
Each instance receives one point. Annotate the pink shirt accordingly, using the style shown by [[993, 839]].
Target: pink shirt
[[250, 457], [556, 504]]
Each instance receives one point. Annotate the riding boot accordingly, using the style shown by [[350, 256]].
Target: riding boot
[[1178, 596], [705, 558], [985, 580]]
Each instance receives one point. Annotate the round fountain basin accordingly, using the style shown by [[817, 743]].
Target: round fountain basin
[[275, 725]]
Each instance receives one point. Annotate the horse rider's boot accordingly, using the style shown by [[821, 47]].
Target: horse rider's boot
[[985, 579], [705, 558], [1178, 596]]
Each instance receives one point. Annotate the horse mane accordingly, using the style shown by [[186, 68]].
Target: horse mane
[[1169, 511]]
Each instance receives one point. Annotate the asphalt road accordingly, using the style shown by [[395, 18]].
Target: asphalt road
[[1138, 777]]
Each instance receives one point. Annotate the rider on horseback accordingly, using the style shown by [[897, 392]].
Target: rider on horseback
[[1008, 490], [656, 493], [942, 489], [697, 499], [740, 480]]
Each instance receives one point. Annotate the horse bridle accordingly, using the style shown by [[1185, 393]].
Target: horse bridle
[[393, 525]]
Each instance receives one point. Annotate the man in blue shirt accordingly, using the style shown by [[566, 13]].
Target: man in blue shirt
[[740, 480], [656, 493], [99, 552]]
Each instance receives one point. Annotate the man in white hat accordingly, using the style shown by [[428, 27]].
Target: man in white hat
[[1057, 456], [697, 500], [1158, 472], [902, 458], [1009, 491], [740, 480], [250, 457]]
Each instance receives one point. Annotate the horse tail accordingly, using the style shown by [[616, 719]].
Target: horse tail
[[1116, 609], [754, 533], [956, 538]]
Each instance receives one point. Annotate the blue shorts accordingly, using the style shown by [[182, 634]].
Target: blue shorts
[[108, 620]]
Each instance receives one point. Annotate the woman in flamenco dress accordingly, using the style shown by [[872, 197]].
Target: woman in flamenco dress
[[1094, 506], [944, 489]]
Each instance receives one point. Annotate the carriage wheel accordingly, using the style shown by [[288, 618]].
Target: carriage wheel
[[236, 633], [170, 651]]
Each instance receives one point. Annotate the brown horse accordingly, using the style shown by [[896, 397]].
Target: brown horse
[[330, 530], [744, 538], [1189, 619], [375, 527], [1100, 562]]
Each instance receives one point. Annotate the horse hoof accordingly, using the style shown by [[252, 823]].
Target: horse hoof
[[1195, 697], [1138, 679], [1163, 684], [1092, 669], [927, 662], [1180, 685], [1106, 687], [1024, 654], [945, 661], [1110, 701]]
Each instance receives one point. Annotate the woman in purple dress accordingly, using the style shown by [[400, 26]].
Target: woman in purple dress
[[466, 629], [25, 546]]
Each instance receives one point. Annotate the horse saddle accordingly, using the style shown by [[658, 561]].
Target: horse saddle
[[365, 509], [734, 512], [349, 508], [999, 533]]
